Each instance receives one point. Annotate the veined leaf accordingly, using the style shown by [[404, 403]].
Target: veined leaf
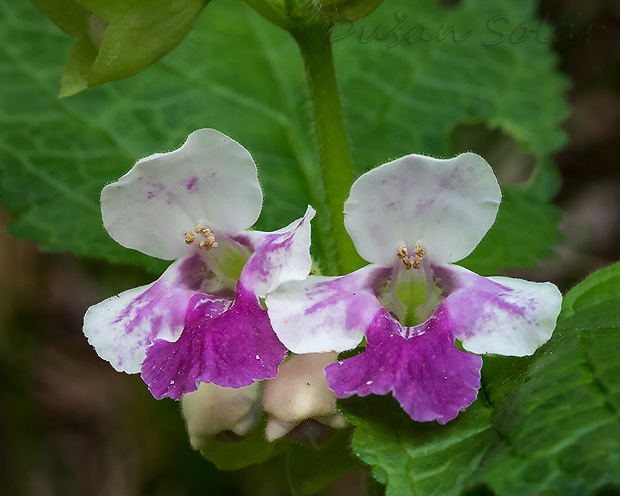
[[237, 73]]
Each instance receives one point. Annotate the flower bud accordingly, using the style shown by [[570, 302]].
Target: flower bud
[[300, 392], [346, 10], [212, 409]]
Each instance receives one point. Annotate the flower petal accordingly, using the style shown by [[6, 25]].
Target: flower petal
[[228, 345], [448, 205], [210, 179], [323, 314], [278, 257], [123, 326], [500, 314], [430, 378]]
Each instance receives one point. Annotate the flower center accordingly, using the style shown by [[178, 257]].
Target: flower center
[[411, 295], [204, 238], [411, 262]]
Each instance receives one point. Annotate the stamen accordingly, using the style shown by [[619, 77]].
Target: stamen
[[202, 230], [207, 243], [189, 238], [414, 261]]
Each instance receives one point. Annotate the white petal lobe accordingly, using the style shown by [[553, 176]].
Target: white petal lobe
[[211, 179], [447, 205]]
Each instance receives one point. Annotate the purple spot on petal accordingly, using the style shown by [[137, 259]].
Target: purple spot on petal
[[421, 206], [164, 297], [193, 272], [171, 198], [272, 254], [192, 185], [146, 307], [154, 190], [450, 182], [352, 294]]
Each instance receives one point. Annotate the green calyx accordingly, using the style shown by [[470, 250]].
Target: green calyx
[[290, 14], [344, 11]]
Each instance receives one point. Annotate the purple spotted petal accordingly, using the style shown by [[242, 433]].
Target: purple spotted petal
[[228, 345], [278, 257], [211, 179], [321, 314], [499, 314], [122, 327], [446, 205], [430, 378]]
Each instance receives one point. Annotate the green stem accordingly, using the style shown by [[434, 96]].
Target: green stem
[[316, 49]]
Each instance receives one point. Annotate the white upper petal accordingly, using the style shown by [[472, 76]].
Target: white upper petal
[[447, 205], [211, 179], [500, 315]]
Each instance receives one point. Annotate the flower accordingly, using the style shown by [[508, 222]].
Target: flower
[[202, 320], [412, 219]]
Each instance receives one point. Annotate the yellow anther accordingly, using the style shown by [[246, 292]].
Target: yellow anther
[[414, 261], [202, 230], [207, 244]]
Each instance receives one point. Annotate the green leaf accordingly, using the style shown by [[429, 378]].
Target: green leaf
[[449, 74], [239, 74], [309, 468], [117, 39], [312, 468], [547, 424], [249, 450], [602, 286], [414, 457], [525, 230], [560, 427]]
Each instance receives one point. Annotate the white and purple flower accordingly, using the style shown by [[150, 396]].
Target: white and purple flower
[[202, 320], [412, 219]]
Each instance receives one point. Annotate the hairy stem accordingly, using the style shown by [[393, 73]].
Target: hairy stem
[[315, 46]]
